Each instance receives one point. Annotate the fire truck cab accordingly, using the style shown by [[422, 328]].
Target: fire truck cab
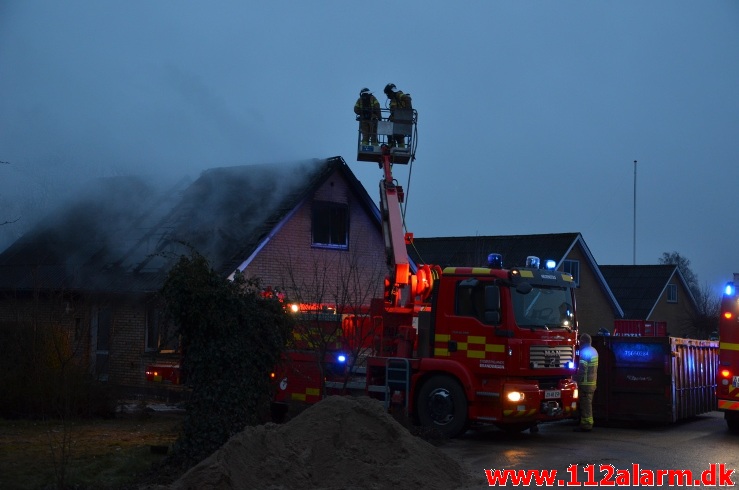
[[492, 346]]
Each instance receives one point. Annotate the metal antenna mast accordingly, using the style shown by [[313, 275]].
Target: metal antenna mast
[[634, 212]]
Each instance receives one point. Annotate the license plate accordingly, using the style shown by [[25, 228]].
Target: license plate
[[735, 381], [548, 394]]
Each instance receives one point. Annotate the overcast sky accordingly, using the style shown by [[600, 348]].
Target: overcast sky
[[531, 114]]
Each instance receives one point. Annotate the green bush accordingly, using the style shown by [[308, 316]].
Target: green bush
[[232, 338]]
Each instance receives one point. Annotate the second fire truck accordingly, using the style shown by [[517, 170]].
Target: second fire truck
[[727, 391]]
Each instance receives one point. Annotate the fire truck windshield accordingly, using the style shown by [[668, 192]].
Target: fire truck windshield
[[543, 307]]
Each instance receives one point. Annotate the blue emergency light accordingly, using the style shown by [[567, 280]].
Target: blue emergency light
[[495, 261], [730, 289], [550, 264], [341, 358]]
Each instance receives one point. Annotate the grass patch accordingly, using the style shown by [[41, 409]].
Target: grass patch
[[101, 454]]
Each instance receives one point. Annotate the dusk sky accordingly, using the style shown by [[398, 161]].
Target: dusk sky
[[530, 113]]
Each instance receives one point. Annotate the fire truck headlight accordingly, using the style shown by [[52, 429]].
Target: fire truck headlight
[[576, 394], [725, 373], [570, 365], [514, 396], [294, 308]]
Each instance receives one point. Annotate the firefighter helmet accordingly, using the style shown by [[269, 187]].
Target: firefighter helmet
[[365, 90], [389, 88]]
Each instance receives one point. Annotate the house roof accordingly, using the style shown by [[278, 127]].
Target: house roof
[[122, 234], [474, 250], [638, 288]]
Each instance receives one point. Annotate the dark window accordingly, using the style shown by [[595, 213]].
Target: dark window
[[102, 345], [161, 336], [572, 267], [672, 293], [152, 329], [330, 225]]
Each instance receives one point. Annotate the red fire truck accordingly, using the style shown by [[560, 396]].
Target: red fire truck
[[463, 345], [727, 391]]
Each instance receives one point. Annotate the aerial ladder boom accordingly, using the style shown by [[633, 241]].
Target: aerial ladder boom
[[391, 197], [402, 286]]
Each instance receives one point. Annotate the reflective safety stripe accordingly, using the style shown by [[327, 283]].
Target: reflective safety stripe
[[728, 346], [474, 346], [476, 271], [312, 392], [728, 405]]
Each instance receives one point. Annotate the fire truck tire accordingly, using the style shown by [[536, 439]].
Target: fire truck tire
[[732, 421], [278, 412], [442, 405]]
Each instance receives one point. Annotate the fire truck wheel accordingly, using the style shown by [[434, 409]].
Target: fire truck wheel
[[732, 420], [442, 405]]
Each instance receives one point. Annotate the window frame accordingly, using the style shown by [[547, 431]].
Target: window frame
[[672, 293], [154, 330], [319, 209]]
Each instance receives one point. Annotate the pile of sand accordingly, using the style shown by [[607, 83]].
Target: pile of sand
[[338, 443]]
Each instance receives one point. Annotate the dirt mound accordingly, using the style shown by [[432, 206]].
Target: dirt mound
[[338, 443]]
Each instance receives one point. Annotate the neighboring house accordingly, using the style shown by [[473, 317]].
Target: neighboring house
[[653, 293], [596, 305], [93, 268]]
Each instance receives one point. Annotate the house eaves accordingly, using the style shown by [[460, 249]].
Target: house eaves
[[225, 215]]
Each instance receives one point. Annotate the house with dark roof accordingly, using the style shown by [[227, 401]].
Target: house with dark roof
[[596, 304], [92, 269], [656, 293]]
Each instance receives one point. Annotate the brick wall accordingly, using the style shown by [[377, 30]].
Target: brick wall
[[290, 263]]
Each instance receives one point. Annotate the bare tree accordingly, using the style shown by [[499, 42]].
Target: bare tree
[[335, 292], [705, 321], [683, 265]]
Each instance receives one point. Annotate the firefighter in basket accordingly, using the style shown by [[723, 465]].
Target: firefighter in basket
[[368, 113], [398, 100]]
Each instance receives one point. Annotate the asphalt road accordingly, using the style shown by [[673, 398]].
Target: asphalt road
[[692, 445]]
